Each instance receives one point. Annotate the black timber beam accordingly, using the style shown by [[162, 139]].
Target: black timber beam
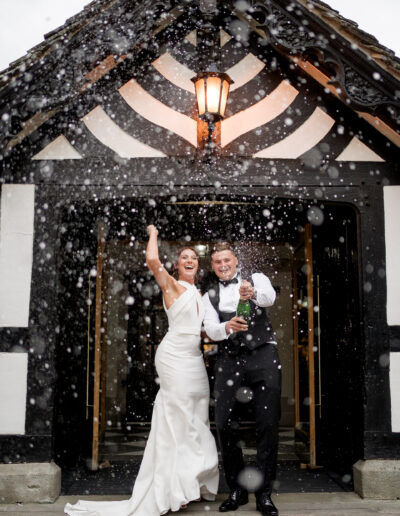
[[188, 171]]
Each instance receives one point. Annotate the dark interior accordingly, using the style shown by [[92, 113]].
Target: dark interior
[[187, 220]]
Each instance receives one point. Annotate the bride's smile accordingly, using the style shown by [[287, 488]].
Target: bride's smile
[[187, 265]]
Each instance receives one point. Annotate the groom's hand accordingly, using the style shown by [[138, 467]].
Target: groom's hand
[[246, 290], [235, 324]]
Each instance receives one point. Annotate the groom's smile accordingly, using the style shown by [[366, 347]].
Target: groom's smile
[[224, 264]]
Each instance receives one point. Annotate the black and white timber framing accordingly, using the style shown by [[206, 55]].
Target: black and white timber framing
[[103, 114]]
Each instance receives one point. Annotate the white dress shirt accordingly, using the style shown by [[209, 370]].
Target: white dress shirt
[[228, 301]]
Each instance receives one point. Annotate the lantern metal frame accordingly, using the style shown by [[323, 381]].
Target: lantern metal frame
[[202, 88]]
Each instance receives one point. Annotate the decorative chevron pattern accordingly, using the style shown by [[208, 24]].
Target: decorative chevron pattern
[[175, 72], [153, 115], [302, 139], [258, 114], [155, 111], [108, 132], [180, 75]]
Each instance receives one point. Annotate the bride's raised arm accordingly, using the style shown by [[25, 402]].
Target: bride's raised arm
[[171, 289], [153, 262]]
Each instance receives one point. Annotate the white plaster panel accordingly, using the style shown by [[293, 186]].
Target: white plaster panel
[[224, 37], [391, 195], [175, 72], [192, 37], [356, 150], [395, 390], [111, 135], [13, 389], [158, 113], [304, 138], [59, 148], [16, 254], [258, 114], [244, 71]]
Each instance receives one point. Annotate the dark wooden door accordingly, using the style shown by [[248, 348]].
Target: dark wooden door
[[327, 351], [336, 285]]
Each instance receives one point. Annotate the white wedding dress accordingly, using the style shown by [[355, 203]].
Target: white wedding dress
[[180, 461]]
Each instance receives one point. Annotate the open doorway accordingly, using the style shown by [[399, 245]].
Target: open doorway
[[270, 236]]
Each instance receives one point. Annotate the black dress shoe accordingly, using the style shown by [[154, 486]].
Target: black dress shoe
[[266, 506], [236, 498]]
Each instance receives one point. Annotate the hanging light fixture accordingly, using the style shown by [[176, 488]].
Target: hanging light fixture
[[212, 89]]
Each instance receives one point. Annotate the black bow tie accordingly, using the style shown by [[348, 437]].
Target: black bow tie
[[228, 282]]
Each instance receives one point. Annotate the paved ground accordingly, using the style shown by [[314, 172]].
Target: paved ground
[[289, 504]]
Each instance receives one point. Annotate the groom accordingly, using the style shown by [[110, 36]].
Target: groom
[[247, 358]]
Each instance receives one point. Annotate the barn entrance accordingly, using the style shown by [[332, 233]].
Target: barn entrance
[[310, 254]]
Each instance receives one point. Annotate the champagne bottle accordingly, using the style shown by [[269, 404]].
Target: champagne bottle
[[243, 310]]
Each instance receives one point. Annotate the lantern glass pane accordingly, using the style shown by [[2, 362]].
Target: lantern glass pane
[[224, 97], [200, 94], [213, 94]]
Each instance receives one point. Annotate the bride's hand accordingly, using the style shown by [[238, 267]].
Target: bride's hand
[[151, 228]]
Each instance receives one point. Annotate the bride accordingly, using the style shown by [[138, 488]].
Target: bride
[[180, 461]]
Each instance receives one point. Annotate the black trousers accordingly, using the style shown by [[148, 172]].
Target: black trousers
[[257, 375]]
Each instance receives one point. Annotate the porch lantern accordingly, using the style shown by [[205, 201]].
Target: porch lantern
[[212, 88]]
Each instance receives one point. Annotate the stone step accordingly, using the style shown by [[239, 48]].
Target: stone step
[[289, 504]]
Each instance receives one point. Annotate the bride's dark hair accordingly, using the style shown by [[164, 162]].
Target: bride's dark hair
[[178, 253]]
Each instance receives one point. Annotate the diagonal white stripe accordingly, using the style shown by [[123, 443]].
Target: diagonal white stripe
[[158, 113], [304, 138], [176, 73], [258, 114], [244, 71], [112, 136]]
